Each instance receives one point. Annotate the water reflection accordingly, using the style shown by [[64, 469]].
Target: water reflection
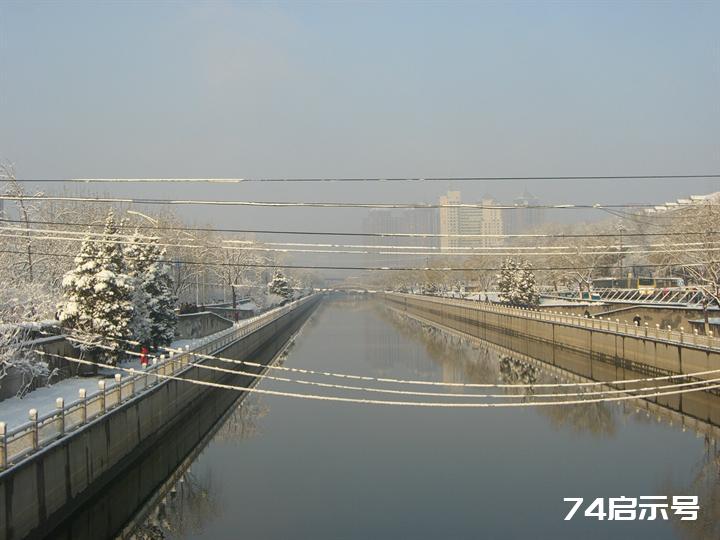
[[316, 470], [469, 360], [705, 483], [193, 500], [185, 510]]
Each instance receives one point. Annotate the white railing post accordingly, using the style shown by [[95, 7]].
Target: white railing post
[[83, 396], [60, 405], [118, 385], [101, 386], [3, 446], [33, 414]]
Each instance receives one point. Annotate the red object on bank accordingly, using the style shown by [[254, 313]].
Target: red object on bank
[[144, 356]]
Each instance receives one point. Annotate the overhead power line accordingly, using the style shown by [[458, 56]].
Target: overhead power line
[[316, 204], [359, 234], [411, 382], [372, 179], [414, 393], [705, 385], [27, 235], [369, 268]]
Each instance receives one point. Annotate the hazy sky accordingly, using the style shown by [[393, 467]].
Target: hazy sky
[[382, 89]]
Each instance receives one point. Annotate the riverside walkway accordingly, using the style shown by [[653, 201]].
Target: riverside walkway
[[41, 430]]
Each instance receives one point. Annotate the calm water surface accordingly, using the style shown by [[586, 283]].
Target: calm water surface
[[288, 468]]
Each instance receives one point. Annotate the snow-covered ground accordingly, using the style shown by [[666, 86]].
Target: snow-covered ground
[[14, 411]]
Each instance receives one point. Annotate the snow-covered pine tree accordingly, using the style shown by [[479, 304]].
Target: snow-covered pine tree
[[279, 285], [98, 305], [516, 282], [159, 285], [507, 279], [155, 320], [526, 286], [137, 264]]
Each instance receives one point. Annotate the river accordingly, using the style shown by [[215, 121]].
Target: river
[[290, 468]]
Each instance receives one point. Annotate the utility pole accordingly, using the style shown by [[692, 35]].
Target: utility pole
[[621, 230]]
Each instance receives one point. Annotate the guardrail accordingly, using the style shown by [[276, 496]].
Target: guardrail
[[667, 335], [40, 431]]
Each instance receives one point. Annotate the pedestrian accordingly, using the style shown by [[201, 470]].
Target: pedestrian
[[144, 356], [637, 319]]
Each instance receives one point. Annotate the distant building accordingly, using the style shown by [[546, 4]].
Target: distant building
[[411, 221], [693, 200], [524, 218], [469, 221]]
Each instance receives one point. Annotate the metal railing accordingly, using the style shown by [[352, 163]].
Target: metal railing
[[39, 431], [656, 333]]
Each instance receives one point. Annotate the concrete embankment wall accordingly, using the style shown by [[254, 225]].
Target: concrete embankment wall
[[197, 325], [36, 494], [504, 327]]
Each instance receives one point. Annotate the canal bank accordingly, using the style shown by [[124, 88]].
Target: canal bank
[[653, 351], [307, 469], [38, 493]]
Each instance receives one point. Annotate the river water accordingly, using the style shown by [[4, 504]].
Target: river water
[[289, 468]]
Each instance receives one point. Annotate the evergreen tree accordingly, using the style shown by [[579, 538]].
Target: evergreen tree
[[98, 305], [506, 281], [155, 319], [527, 286], [516, 282], [279, 285]]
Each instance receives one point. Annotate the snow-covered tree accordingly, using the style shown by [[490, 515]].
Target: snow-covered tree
[[516, 283], [528, 286], [507, 281], [154, 318], [137, 263], [98, 304], [23, 309], [279, 286]]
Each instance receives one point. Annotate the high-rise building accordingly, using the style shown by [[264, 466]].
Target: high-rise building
[[413, 221], [486, 223], [524, 217]]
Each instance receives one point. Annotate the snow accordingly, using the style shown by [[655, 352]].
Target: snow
[[14, 411]]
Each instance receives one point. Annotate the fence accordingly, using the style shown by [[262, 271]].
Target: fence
[[40, 431], [665, 335]]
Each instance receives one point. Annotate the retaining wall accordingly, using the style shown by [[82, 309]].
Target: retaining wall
[[37, 493], [503, 326], [197, 325]]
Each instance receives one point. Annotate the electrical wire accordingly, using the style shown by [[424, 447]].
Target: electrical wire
[[541, 251], [370, 179], [361, 234], [278, 204], [305, 371], [363, 268], [415, 393], [318, 397]]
